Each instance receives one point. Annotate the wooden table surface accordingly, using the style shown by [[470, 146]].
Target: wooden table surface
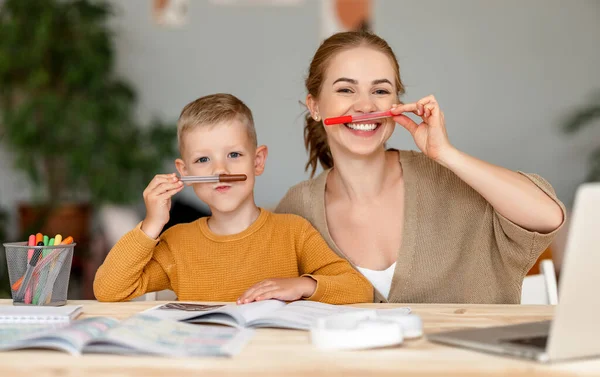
[[275, 352]]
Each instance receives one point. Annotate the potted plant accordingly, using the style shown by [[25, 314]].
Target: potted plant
[[580, 118], [67, 118]]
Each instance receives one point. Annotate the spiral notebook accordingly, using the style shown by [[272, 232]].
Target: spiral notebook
[[39, 314]]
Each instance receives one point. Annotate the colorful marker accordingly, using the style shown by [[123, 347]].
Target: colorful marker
[[17, 284], [57, 240], [20, 295], [67, 241], [43, 275], [213, 178], [46, 295], [358, 118]]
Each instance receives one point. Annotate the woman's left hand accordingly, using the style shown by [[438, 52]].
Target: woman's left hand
[[430, 135]]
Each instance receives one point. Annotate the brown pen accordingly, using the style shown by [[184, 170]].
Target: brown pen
[[213, 178]]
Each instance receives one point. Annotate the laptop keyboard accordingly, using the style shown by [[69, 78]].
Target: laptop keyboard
[[535, 341]]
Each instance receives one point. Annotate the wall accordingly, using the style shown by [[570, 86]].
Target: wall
[[505, 73]]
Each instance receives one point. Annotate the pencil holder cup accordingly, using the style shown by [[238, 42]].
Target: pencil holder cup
[[39, 275]]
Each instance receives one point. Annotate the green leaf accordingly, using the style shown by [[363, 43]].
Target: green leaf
[[63, 111], [583, 116]]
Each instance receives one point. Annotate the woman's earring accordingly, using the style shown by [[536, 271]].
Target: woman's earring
[[317, 117]]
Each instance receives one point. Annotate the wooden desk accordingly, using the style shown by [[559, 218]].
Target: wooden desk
[[274, 352]]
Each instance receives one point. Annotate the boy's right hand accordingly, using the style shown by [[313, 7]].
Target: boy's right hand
[[284, 289], [157, 197]]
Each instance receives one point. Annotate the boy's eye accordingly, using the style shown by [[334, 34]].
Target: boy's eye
[[203, 159], [234, 155]]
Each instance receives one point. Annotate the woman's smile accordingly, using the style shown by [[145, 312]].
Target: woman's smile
[[367, 128]]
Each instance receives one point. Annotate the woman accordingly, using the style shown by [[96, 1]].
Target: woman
[[430, 226]]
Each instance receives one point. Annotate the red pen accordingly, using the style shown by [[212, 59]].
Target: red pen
[[358, 118], [17, 284], [38, 238]]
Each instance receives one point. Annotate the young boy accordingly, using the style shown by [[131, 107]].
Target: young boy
[[241, 253]]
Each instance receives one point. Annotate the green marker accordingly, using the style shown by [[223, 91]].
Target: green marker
[[44, 272]]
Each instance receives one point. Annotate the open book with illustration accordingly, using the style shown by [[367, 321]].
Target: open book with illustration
[[269, 313], [137, 335]]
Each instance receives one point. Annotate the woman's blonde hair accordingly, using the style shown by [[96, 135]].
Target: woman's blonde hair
[[315, 138]]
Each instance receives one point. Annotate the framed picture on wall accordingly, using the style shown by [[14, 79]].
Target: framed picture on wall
[[257, 2], [170, 13], [345, 15]]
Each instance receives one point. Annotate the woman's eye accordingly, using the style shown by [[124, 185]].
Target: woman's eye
[[382, 92], [344, 90], [234, 155], [203, 159]]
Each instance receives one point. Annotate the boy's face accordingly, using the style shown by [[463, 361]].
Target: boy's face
[[223, 148]]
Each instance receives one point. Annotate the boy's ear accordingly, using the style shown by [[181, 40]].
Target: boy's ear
[[180, 165], [260, 159], [311, 103]]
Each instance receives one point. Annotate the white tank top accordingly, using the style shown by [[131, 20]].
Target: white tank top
[[381, 280]]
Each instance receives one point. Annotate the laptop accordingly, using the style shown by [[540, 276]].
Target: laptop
[[574, 331]]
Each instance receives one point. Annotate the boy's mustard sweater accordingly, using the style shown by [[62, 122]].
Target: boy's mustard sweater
[[202, 266]]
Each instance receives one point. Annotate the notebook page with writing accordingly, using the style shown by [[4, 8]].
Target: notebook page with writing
[[69, 338], [137, 335], [148, 335]]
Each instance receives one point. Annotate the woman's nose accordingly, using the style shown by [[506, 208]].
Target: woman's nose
[[364, 105]]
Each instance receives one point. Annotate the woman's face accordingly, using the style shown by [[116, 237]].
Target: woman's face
[[358, 81]]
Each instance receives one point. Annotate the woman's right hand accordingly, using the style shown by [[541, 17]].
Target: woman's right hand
[[157, 197], [430, 135]]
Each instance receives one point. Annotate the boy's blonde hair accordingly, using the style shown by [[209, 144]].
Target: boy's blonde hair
[[211, 110]]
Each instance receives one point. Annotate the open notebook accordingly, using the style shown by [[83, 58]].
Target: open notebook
[[41, 315], [137, 335], [269, 313]]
